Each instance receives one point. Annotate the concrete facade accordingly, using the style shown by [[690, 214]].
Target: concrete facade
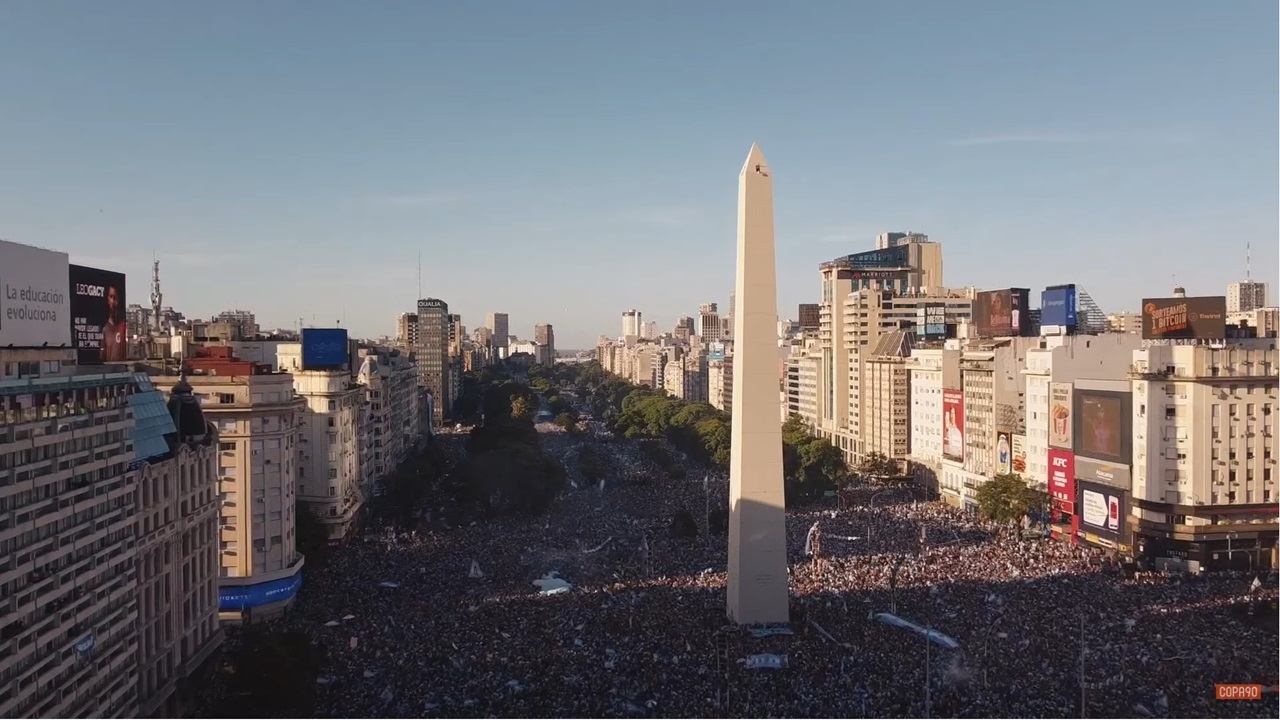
[[328, 463], [757, 574]]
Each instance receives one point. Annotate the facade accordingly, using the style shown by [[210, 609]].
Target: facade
[[886, 411], [994, 402], [245, 323], [709, 327], [1264, 320], [888, 240], [457, 333], [545, 335], [177, 562], [389, 380], [1204, 461], [1245, 296], [1129, 323], [631, 321], [432, 353], [808, 316], [328, 462], [498, 329], [720, 384], [931, 370], [407, 331], [257, 416], [649, 330]]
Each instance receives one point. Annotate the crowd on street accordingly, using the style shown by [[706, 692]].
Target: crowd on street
[[596, 609]]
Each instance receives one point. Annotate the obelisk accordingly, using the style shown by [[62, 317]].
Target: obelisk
[[757, 516]]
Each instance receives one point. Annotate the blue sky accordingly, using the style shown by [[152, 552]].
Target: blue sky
[[564, 161]]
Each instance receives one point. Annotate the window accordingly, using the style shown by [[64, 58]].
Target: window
[[226, 446], [333, 473], [226, 398], [331, 422]]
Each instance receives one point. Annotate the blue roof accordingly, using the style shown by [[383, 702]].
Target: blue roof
[[152, 422]]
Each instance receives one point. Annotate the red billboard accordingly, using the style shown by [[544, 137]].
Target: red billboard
[[953, 425], [1062, 479]]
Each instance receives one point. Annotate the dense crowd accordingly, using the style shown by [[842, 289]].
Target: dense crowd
[[446, 620]]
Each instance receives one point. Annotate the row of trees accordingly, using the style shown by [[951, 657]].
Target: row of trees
[[812, 466]]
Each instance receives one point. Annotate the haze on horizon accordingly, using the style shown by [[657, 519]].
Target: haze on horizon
[[567, 161]]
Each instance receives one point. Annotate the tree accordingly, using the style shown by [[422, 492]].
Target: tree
[[1006, 498], [567, 420]]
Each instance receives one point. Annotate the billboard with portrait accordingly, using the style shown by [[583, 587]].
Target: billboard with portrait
[[1058, 306], [1201, 318], [324, 349], [1103, 510], [34, 305], [1001, 313], [953, 424], [1102, 426], [99, 330], [1062, 479], [1004, 453], [1060, 414]]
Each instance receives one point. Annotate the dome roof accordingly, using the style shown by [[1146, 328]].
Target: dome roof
[[184, 407]]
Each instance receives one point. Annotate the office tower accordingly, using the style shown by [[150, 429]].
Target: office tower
[[545, 336], [432, 353], [757, 573], [708, 323], [482, 336], [1245, 296], [808, 316], [257, 415], [631, 320], [243, 320], [886, 407], [497, 324], [407, 331]]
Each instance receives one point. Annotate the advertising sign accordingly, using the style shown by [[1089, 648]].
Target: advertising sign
[[1103, 510], [1019, 453], [1202, 318], [1004, 453], [931, 321], [1058, 306], [1001, 313], [1102, 425], [953, 425], [324, 348], [1115, 475], [34, 306], [249, 596], [98, 327], [1060, 412], [1062, 478]]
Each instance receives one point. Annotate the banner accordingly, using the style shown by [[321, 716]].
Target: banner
[[1060, 410], [1020, 453], [34, 306], [1103, 510], [1062, 479], [1004, 453], [1202, 318], [953, 425], [99, 330]]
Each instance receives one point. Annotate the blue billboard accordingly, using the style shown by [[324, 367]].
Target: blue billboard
[[240, 597], [324, 348], [1058, 306]]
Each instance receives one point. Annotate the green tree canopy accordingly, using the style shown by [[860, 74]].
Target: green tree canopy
[[1006, 498]]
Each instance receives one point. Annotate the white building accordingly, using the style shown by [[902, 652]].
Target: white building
[[720, 383], [932, 369], [1245, 296], [329, 462], [631, 320]]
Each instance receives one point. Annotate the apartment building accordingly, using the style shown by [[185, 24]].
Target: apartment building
[[407, 331], [390, 434], [328, 461], [720, 383], [886, 406], [931, 369], [1204, 460], [1128, 323], [258, 418]]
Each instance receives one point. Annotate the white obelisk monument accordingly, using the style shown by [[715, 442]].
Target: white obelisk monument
[[758, 590]]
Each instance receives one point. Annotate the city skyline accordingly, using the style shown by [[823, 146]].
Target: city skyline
[[1006, 136]]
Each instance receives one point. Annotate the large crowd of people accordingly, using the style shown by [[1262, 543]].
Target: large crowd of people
[[447, 620]]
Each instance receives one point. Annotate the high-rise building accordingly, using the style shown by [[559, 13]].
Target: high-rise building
[[328, 461], [257, 416], [649, 330], [243, 320], [708, 323], [631, 320], [500, 333], [808, 316], [407, 331], [432, 353], [390, 381], [1245, 296], [457, 333], [886, 426], [1128, 323], [887, 240], [720, 383], [932, 369], [545, 335]]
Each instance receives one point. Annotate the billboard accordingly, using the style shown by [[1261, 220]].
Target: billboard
[[1060, 412], [98, 327], [1103, 425], [1202, 318], [1004, 453], [1103, 510], [1058, 306], [1062, 478], [953, 425], [1104, 473], [240, 597], [1001, 313], [1019, 453], [34, 305], [324, 349], [931, 321]]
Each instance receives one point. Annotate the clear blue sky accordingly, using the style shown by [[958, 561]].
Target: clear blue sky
[[564, 161]]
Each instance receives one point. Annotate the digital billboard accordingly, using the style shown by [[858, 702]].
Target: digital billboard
[[1004, 453], [953, 425], [1116, 475], [1001, 313], [98, 327], [931, 321], [1103, 425], [1058, 306], [324, 349], [1060, 412], [1062, 478], [1201, 318], [240, 597], [1019, 453], [34, 305], [1103, 510]]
